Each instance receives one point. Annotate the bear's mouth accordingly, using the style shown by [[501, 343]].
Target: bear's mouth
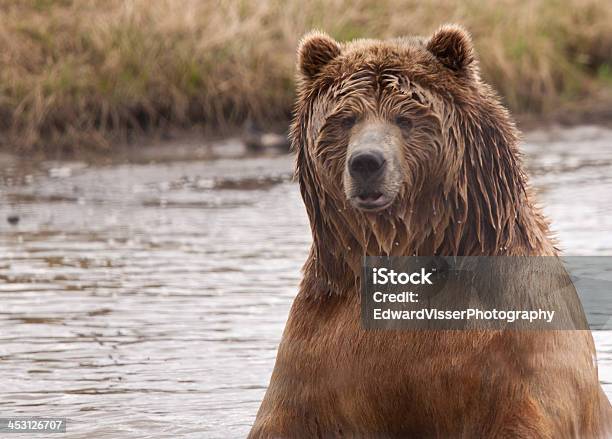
[[372, 201]]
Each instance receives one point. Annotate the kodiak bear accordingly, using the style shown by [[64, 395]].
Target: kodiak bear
[[402, 149]]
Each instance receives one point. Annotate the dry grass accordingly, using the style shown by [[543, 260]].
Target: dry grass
[[88, 73]]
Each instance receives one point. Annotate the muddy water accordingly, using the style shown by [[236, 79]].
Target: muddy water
[[146, 300]]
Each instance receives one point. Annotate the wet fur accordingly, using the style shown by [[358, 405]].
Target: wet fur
[[465, 193]]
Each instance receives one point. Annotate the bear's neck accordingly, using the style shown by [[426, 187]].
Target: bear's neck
[[487, 212], [335, 261]]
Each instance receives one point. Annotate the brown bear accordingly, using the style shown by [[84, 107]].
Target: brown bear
[[402, 149]]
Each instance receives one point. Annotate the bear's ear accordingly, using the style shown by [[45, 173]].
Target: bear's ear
[[452, 45], [315, 51]]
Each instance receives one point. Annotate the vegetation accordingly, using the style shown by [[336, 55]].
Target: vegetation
[[89, 73]]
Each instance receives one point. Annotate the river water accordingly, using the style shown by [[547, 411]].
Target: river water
[[145, 298]]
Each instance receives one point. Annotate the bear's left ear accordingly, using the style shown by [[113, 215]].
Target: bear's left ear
[[316, 50], [452, 45]]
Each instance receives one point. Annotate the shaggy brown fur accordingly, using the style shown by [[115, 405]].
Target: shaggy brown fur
[[464, 193]]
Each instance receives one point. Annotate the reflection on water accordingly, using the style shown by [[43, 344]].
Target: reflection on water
[[147, 300]]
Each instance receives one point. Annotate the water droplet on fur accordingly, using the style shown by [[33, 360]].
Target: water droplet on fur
[[348, 247], [459, 222], [396, 243]]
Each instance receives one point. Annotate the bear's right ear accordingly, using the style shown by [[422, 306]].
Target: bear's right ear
[[315, 51]]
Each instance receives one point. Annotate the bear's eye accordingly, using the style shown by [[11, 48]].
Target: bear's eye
[[403, 122], [348, 121]]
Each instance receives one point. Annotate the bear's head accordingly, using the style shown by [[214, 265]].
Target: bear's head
[[402, 149]]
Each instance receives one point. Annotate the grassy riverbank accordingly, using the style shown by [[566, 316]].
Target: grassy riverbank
[[89, 73]]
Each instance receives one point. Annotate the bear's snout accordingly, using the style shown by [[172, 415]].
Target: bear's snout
[[366, 166], [371, 177]]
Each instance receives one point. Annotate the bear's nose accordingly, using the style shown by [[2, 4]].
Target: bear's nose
[[366, 165]]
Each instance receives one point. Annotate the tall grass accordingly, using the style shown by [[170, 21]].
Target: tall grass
[[88, 73]]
